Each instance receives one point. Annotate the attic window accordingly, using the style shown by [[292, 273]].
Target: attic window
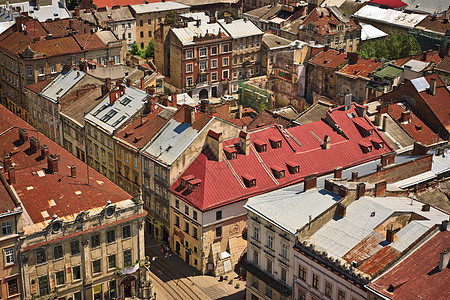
[[118, 121], [377, 143], [191, 184], [278, 172], [276, 143], [293, 168], [99, 110], [185, 180], [249, 181], [260, 146], [366, 147], [231, 153], [125, 101], [363, 127]]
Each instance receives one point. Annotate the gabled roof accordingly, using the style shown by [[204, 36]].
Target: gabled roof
[[114, 15], [389, 16], [265, 12], [43, 193], [186, 35], [81, 102], [390, 3], [157, 6], [267, 117], [361, 69], [329, 59], [61, 84], [274, 42], [38, 86], [240, 28], [326, 20], [417, 275], [314, 113], [301, 145], [444, 65]]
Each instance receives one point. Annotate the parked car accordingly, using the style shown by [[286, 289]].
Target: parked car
[[227, 98]]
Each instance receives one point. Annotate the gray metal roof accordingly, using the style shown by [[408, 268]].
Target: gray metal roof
[[115, 15], [53, 11], [186, 35], [158, 7], [389, 16], [171, 141], [61, 84], [369, 32], [338, 236], [416, 65], [290, 208], [274, 42], [122, 109], [427, 6], [240, 28]]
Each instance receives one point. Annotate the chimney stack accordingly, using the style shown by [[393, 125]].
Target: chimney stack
[[426, 207], [433, 86], [240, 108], [52, 163], [352, 58], [390, 235], [380, 188], [387, 158], [341, 210], [379, 168], [73, 171], [310, 182], [113, 96], [406, 115], [355, 176], [244, 142], [385, 122], [34, 144], [444, 259], [7, 162], [23, 135], [215, 143], [122, 89], [338, 172], [204, 106], [44, 151], [360, 190], [326, 142], [12, 175], [105, 90], [142, 83], [189, 115]]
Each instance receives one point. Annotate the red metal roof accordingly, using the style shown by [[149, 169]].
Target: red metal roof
[[37, 187], [417, 276], [390, 3], [414, 127], [227, 176], [440, 102]]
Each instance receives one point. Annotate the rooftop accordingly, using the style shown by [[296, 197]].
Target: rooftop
[[417, 276], [314, 113], [240, 28], [290, 208], [369, 32], [186, 35], [158, 7], [111, 3], [390, 3], [300, 146], [56, 10], [44, 193], [416, 65], [389, 16], [428, 7], [109, 116], [268, 117], [329, 59], [114, 15], [275, 42], [438, 25], [388, 71], [444, 65], [360, 236], [61, 84], [361, 69], [86, 100]]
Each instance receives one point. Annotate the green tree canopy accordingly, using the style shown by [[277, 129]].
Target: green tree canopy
[[394, 47], [146, 53], [169, 19]]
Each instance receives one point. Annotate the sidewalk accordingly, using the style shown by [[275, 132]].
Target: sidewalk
[[210, 285]]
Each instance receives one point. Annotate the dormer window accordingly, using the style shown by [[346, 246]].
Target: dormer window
[[191, 184], [363, 127], [231, 153], [377, 143], [185, 180], [278, 172], [260, 146], [366, 147], [276, 143], [249, 181], [293, 167]]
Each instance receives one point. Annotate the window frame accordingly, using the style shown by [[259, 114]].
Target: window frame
[[129, 232]]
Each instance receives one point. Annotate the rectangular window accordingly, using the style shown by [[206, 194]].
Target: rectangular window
[[213, 63], [283, 274], [214, 76], [177, 221], [127, 258], [189, 81], [77, 296], [29, 72], [203, 64], [302, 272], [149, 33], [13, 288], [341, 295], [108, 116], [186, 227], [269, 265], [218, 215], [149, 22], [41, 256], [284, 250], [7, 228], [255, 256], [188, 68], [111, 261], [203, 52], [58, 252], [142, 34], [10, 256], [256, 233], [188, 54], [110, 236], [76, 271], [41, 71], [96, 266], [301, 294], [315, 282], [218, 231], [225, 62], [194, 232], [328, 289], [177, 203], [270, 239], [43, 285], [126, 231], [225, 74], [95, 241], [269, 291], [60, 277], [194, 215], [53, 68], [225, 48], [213, 50], [186, 210]]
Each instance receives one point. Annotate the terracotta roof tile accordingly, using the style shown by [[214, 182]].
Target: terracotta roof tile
[[326, 22], [362, 68], [38, 86], [440, 102], [329, 59]]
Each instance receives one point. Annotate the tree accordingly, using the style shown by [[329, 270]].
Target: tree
[[394, 47], [135, 49], [150, 50], [169, 19]]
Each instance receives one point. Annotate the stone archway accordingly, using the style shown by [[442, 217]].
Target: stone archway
[[203, 94], [128, 287]]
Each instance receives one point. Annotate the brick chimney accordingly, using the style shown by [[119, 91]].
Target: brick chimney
[[189, 115], [143, 83], [341, 210], [383, 108], [355, 176], [444, 259], [122, 89], [426, 207], [215, 142], [352, 58], [73, 171], [419, 149], [113, 96], [128, 80], [204, 106], [385, 123], [23, 135], [12, 175], [7, 162], [34, 144], [379, 168], [387, 158], [390, 235], [150, 90], [433, 86], [44, 151], [360, 190], [244, 142], [338, 172], [380, 188], [406, 115], [52, 163], [310, 182], [105, 90], [326, 142]]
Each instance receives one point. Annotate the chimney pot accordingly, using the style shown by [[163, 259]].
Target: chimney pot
[[44, 151], [444, 259], [240, 108], [244, 142], [444, 225], [215, 143], [406, 115], [380, 188], [310, 182], [360, 190], [12, 175], [426, 207], [341, 210], [433, 86], [23, 135], [52, 163], [6, 161], [326, 142], [355, 176], [379, 168], [390, 235], [73, 171], [338, 172]]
